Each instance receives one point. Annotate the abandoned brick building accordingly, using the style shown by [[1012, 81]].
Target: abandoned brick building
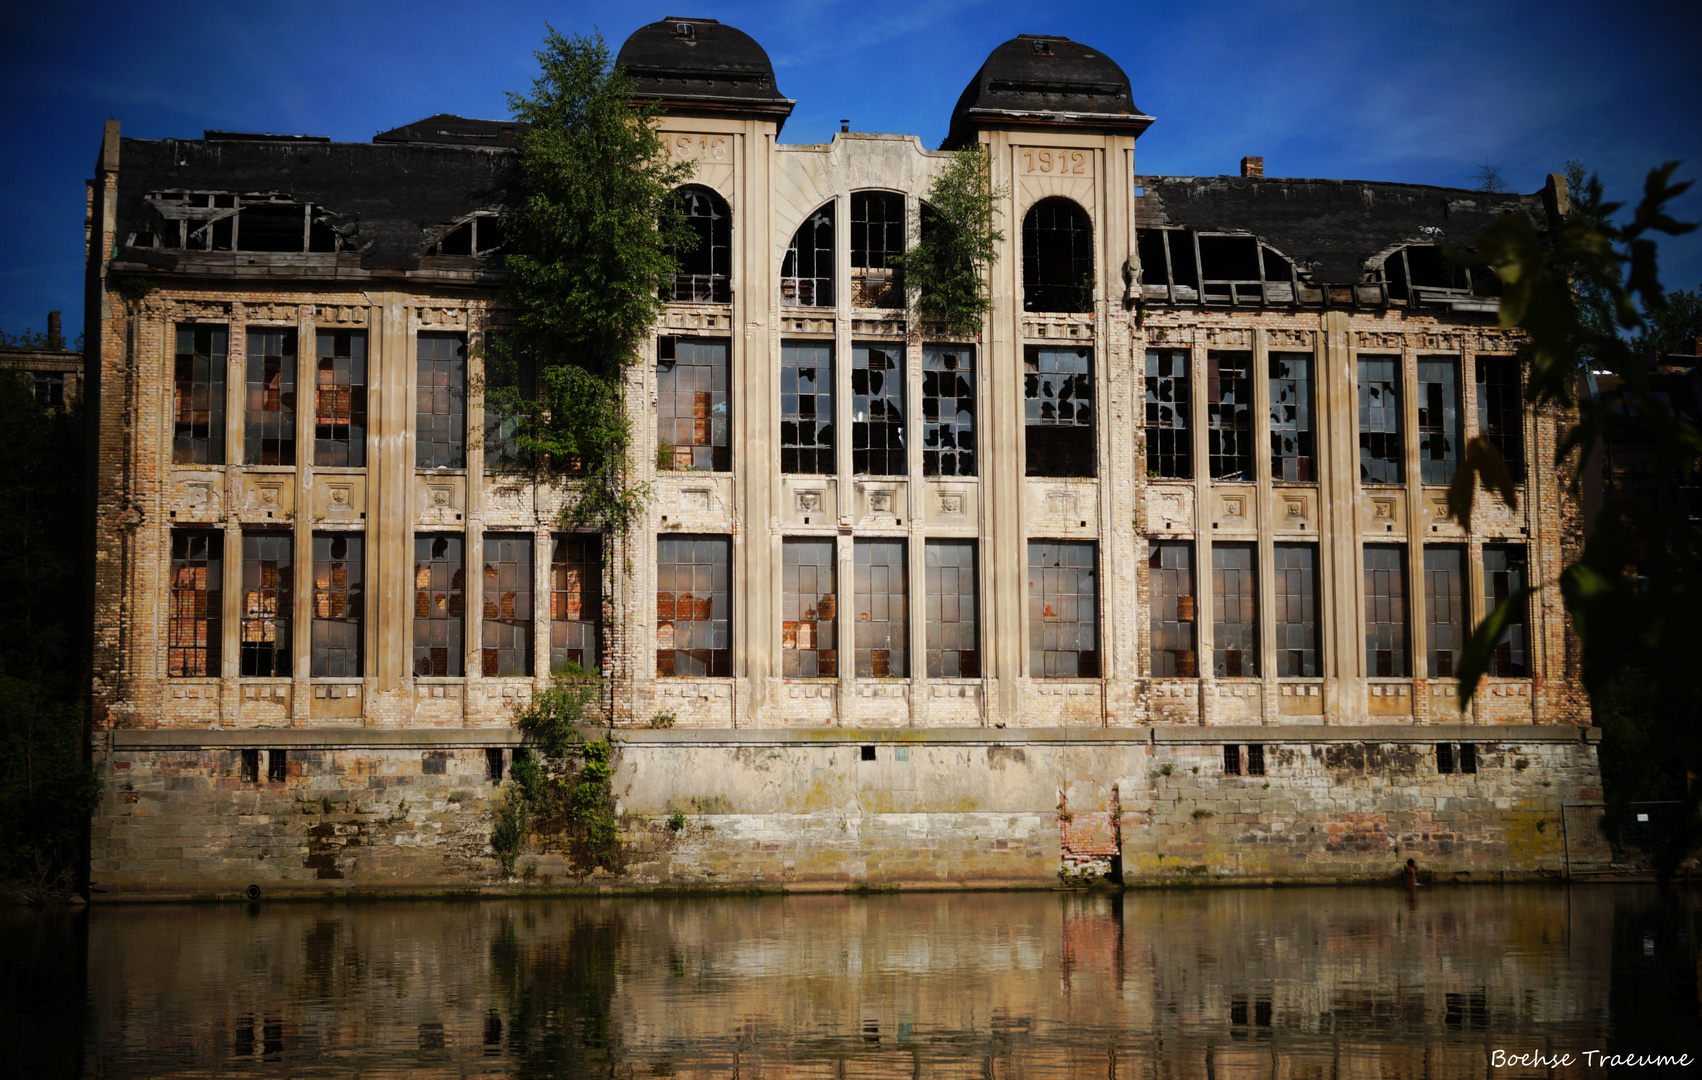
[[1152, 575]]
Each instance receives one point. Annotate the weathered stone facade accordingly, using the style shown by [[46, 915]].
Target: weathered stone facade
[[1038, 747]]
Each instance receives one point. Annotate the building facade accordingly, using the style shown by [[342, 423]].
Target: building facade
[[1151, 576]]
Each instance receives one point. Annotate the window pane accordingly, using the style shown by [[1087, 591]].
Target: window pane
[[269, 426], [1291, 417], [877, 410], [507, 594], [1444, 608], [691, 406], [1296, 610], [883, 615], [1438, 419], [1505, 573], [1169, 451], [576, 600], [1063, 609], [954, 642], [440, 438], [948, 410], [705, 275], [509, 370], [806, 273], [439, 605], [198, 396], [1171, 564], [1385, 611], [694, 606], [194, 628], [808, 606], [1235, 623], [806, 408], [340, 405], [1500, 409], [1058, 386], [1057, 257], [339, 573], [267, 571], [877, 236], [1229, 415], [1380, 449]]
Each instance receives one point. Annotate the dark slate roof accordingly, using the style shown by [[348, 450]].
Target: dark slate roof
[[447, 129], [1049, 81], [1328, 226], [700, 65]]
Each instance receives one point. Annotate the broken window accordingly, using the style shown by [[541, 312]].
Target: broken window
[[1438, 419], [1296, 567], [694, 604], [877, 410], [806, 407], [507, 627], [948, 410], [194, 631], [1444, 608], [339, 605], [691, 404], [509, 369], [339, 418], [877, 237], [439, 605], [704, 276], [1500, 409], [1504, 573], [1380, 449], [1291, 417], [1057, 257], [1169, 446], [806, 273], [1385, 611], [198, 396], [808, 603], [267, 573], [576, 600], [50, 389], [1235, 611], [269, 428], [1179, 266], [224, 221], [1229, 415], [1168, 267], [1419, 272], [1058, 385], [1170, 564], [479, 235], [881, 593], [1230, 270], [440, 438], [1063, 609], [954, 644]]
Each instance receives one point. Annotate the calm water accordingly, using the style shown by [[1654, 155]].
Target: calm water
[[1297, 983]]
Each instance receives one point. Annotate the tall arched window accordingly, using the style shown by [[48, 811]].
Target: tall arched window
[[806, 274], [877, 235], [704, 270], [1057, 257]]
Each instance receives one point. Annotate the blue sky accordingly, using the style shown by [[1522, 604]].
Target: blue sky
[[1412, 92]]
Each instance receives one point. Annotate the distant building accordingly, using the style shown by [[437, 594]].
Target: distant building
[[55, 371]]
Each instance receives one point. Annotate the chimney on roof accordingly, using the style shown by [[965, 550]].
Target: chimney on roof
[[1253, 167], [55, 339]]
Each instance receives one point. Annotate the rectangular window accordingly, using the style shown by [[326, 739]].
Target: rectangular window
[[1500, 409], [1171, 567], [277, 766], [267, 571], [877, 410], [1445, 758], [808, 604], [339, 605], [806, 407], [1063, 609], [1231, 759], [1235, 616], [339, 417], [493, 764], [954, 643], [1296, 568], [1438, 419], [1468, 757], [877, 237], [694, 605], [1292, 446], [440, 438], [250, 774], [198, 396], [1255, 759], [1058, 385], [269, 426], [1505, 573], [197, 600], [440, 569], [691, 405], [881, 592], [50, 389], [1444, 608], [1229, 415], [510, 374], [576, 600], [1386, 611], [948, 410], [1380, 449], [1169, 447], [506, 636]]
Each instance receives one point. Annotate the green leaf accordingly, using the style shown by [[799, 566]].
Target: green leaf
[[1482, 463], [1480, 650]]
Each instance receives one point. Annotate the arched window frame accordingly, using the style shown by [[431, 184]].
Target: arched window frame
[[705, 275], [1041, 292]]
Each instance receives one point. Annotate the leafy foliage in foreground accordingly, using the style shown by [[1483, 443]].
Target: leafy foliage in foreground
[[948, 268]]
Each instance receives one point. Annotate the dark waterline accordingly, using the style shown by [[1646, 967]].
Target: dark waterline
[[1324, 983]]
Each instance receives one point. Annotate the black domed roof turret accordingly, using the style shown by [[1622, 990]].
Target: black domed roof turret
[[700, 65], [1036, 80]]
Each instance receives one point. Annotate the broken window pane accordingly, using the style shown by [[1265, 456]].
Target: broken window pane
[[704, 275], [439, 605], [50, 389], [808, 605], [267, 573], [1058, 386], [954, 644], [1444, 608], [576, 600], [1235, 622], [877, 410], [507, 594], [1291, 417], [1385, 611], [1380, 449], [193, 631], [1296, 567], [1230, 270], [1504, 573], [1438, 419], [198, 396], [340, 403], [1169, 447], [1500, 409], [806, 273], [271, 227], [508, 369], [339, 604], [691, 406], [883, 617], [1057, 257], [269, 429], [694, 605], [806, 407], [440, 438], [1063, 609], [1229, 415], [1171, 567], [948, 410], [877, 236]]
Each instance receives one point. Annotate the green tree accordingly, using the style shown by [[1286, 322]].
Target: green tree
[[1675, 328], [948, 268]]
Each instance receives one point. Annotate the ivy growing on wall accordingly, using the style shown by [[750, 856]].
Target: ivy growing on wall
[[948, 268]]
